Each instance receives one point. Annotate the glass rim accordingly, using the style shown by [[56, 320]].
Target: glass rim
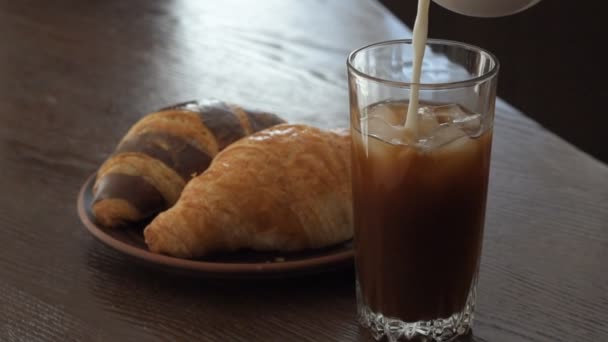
[[445, 85]]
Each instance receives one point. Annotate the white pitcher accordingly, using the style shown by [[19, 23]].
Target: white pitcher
[[486, 8]]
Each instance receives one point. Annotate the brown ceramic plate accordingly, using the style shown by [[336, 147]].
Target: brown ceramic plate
[[242, 264]]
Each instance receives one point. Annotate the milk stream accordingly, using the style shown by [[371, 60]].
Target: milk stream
[[419, 42]]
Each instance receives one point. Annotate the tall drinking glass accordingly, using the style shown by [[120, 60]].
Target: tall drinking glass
[[419, 194]]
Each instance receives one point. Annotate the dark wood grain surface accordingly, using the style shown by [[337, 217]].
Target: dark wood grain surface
[[74, 75]]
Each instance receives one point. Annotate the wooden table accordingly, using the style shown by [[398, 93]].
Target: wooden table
[[76, 74]]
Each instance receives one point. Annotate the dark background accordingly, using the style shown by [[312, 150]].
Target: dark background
[[553, 65]]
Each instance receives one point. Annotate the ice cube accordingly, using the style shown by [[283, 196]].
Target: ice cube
[[454, 114], [427, 122], [377, 126], [447, 113], [471, 124], [442, 135], [389, 112]]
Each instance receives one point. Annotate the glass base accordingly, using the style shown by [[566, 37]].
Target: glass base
[[442, 329]]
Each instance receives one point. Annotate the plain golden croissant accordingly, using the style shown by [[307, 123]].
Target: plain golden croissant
[[162, 152], [286, 188]]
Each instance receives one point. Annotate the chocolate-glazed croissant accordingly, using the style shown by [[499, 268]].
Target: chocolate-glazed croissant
[[162, 152]]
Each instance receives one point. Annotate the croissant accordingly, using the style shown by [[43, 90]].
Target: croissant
[[162, 152], [286, 188]]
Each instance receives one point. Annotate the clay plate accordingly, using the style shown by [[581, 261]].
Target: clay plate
[[242, 264]]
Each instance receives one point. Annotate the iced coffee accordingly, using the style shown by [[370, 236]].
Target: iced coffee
[[421, 120], [419, 204]]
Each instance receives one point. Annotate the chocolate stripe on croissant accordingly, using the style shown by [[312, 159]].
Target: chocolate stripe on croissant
[[133, 189], [222, 122], [259, 120], [175, 152]]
